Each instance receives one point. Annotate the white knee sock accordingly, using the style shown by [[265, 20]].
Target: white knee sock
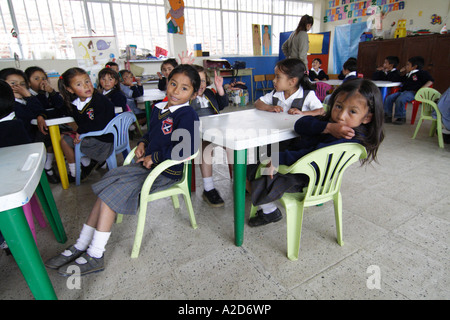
[[85, 161], [72, 169], [49, 162], [98, 244], [208, 184], [268, 207], [85, 238]]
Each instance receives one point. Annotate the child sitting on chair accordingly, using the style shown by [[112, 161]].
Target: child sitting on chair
[[356, 115], [317, 74]]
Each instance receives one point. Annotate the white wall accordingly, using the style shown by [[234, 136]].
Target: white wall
[[416, 12]]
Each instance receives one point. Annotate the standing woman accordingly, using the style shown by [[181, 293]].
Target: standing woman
[[297, 45]]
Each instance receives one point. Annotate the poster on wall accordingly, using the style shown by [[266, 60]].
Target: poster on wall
[[354, 10], [176, 17], [266, 40], [256, 35], [92, 53]]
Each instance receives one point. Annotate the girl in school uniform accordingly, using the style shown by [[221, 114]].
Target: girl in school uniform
[[356, 115], [53, 104], [92, 112], [209, 102], [109, 86], [132, 91], [293, 92], [118, 191]]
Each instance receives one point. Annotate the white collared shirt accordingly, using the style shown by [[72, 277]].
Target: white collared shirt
[[81, 104], [413, 71], [8, 117], [311, 101], [353, 73], [172, 109]]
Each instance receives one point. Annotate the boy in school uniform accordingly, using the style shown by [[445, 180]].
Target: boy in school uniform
[[413, 80], [349, 70], [388, 71]]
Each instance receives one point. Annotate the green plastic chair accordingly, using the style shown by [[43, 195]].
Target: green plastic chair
[[181, 187], [331, 163], [429, 98]]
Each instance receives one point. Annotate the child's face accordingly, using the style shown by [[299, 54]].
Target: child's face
[[108, 82], [387, 65], [409, 67], [352, 111], [316, 64], [179, 90], [166, 69], [17, 83], [202, 83], [37, 79], [127, 79], [282, 82], [81, 86], [115, 68]]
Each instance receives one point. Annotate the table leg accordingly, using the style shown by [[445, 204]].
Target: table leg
[[59, 156], [148, 111], [48, 204], [18, 236], [384, 92], [239, 178]]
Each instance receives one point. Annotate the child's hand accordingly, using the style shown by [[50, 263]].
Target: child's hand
[[160, 76], [294, 111], [276, 109], [218, 82], [20, 90], [42, 125], [45, 86], [270, 169], [140, 150], [146, 161], [186, 59], [77, 140], [339, 131]]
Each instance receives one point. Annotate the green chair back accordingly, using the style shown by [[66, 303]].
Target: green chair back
[[181, 187], [325, 168], [429, 97]]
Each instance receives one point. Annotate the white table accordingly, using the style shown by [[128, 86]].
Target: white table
[[21, 169], [242, 130], [332, 82], [55, 136], [149, 96]]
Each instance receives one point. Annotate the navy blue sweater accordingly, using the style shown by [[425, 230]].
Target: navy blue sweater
[[158, 142], [310, 128]]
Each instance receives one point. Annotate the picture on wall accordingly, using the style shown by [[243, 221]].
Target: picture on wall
[[176, 17], [266, 40], [256, 34], [92, 53]]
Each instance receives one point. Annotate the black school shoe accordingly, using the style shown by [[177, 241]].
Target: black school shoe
[[51, 178], [213, 198], [261, 218], [399, 121], [387, 119]]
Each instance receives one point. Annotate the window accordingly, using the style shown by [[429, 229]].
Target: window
[[44, 29]]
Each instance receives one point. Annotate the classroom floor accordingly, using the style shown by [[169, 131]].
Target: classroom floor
[[396, 234]]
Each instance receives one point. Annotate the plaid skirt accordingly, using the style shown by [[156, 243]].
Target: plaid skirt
[[92, 147], [120, 187]]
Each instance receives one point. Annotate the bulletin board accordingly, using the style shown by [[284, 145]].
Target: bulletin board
[[92, 53]]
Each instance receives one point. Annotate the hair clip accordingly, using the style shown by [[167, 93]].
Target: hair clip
[[107, 66], [61, 77]]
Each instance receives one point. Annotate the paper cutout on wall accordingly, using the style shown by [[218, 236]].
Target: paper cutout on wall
[[315, 43], [176, 16], [256, 34], [267, 40]]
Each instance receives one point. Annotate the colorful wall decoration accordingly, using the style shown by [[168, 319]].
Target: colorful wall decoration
[[354, 9], [176, 17]]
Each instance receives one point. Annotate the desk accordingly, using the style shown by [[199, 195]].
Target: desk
[[385, 86], [55, 136], [21, 169], [239, 131], [149, 96], [332, 82], [227, 73]]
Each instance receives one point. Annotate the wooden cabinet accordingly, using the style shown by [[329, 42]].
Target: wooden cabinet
[[435, 49]]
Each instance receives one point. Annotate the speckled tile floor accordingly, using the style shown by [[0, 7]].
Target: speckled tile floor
[[396, 233]]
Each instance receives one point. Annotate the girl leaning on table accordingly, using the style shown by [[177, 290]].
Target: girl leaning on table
[[118, 191], [356, 115], [91, 111]]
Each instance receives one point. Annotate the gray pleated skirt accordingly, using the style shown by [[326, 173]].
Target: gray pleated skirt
[[120, 187], [93, 148]]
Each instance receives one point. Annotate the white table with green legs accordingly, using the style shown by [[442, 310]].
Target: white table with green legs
[[241, 131]]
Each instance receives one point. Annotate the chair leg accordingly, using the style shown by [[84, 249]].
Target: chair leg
[[188, 202], [415, 105], [253, 211], [139, 231], [175, 201], [119, 218], [294, 220], [29, 216], [338, 216], [439, 134], [417, 128], [37, 211]]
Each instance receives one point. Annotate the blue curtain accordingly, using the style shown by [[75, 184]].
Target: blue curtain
[[346, 41]]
